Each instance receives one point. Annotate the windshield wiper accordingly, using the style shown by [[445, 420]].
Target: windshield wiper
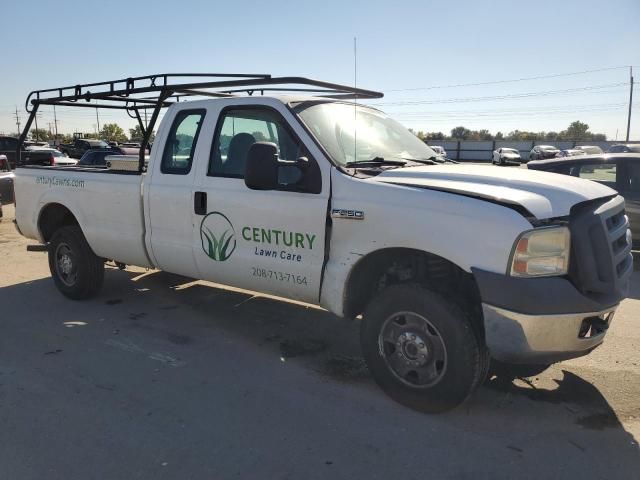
[[375, 162], [426, 161]]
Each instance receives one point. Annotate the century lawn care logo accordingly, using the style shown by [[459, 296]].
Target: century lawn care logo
[[218, 236]]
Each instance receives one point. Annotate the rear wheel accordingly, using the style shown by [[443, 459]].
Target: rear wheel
[[77, 272], [421, 348]]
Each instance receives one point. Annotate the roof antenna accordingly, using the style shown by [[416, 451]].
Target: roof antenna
[[355, 101]]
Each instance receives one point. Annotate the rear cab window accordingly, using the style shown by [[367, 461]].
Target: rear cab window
[[180, 146]]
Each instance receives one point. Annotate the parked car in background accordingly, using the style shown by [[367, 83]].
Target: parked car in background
[[619, 171], [540, 152], [589, 149], [9, 146], [506, 156], [32, 143], [440, 151], [570, 153], [81, 145], [624, 148], [47, 157], [6, 182], [96, 158]]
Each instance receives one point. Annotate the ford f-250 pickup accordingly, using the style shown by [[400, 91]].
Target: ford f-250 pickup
[[328, 201]]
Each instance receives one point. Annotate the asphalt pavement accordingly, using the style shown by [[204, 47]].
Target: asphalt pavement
[[163, 377]]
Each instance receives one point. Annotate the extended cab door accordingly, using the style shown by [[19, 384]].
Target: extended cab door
[[268, 241], [169, 196]]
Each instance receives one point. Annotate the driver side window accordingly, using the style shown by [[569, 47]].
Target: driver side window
[[238, 129]]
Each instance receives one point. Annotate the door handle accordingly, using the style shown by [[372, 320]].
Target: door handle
[[200, 203]]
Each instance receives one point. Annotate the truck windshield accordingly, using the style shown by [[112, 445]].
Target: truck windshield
[[355, 133]]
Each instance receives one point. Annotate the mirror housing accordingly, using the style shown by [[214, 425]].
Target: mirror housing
[[261, 170], [263, 166]]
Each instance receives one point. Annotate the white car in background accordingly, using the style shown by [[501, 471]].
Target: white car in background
[[589, 149], [506, 156], [56, 157], [571, 153], [440, 151]]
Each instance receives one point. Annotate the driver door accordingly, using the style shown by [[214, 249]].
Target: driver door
[[268, 241]]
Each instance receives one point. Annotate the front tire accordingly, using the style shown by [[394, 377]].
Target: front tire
[[77, 272], [421, 348]]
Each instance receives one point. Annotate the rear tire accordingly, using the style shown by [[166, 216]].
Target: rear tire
[[77, 272], [421, 348]]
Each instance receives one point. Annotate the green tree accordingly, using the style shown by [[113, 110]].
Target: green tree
[[111, 132], [485, 135], [460, 133], [40, 134], [577, 131], [434, 136], [135, 134], [64, 138]]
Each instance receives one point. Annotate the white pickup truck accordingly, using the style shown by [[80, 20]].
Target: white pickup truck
[[331, 202]]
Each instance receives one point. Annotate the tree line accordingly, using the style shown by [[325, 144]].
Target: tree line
[[575, 131], [110, 132]]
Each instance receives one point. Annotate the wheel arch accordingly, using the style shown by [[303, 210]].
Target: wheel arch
[[53, 216], [390, 266]]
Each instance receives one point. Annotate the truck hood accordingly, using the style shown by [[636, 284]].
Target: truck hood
[[543, 194]]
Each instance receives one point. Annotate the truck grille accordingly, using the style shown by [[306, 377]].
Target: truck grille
[[601, 239]]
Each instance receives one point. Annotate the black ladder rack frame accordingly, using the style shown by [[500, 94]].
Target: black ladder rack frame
[[163, 90]]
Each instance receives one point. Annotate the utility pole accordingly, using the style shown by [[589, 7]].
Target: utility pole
[[630, 102], [55, 122], [355, 100], [98, 121], [17, 115], [36, 120]]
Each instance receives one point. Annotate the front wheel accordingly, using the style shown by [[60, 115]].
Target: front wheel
[[421, 348], [77, 272]]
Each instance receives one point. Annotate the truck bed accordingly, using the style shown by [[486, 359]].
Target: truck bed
[[106, 203]]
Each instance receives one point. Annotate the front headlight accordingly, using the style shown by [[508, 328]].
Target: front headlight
[[541, 252]]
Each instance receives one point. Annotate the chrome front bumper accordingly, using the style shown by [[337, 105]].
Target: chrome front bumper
[[519, 338]]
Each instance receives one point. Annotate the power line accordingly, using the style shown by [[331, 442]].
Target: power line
[[516, 110], [496, 82], [543, 93]]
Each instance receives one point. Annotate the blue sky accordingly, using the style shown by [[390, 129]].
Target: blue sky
[[401, 45]]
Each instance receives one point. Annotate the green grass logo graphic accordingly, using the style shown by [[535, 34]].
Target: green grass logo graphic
[[218, 236]]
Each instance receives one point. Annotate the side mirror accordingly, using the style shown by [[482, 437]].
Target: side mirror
[[261, 170]]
